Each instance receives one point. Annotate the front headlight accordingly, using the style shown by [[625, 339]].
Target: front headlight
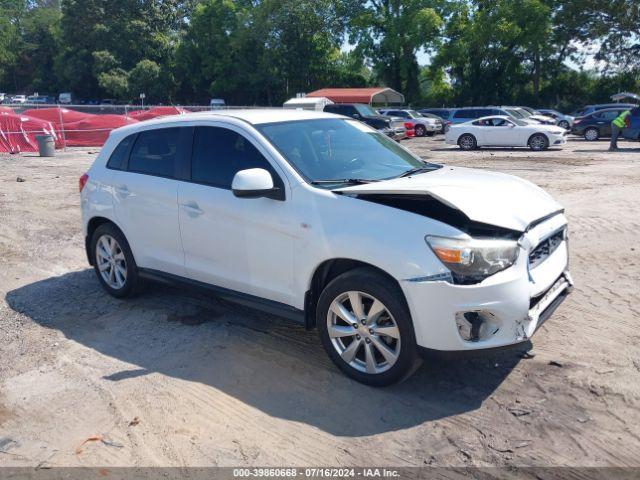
[[473, 260]]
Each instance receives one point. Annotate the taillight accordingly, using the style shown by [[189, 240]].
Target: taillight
[[83, 181]]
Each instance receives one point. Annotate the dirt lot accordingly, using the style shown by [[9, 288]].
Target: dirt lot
[[178, 378]]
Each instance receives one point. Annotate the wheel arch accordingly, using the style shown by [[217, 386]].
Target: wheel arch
[[324, 273], [92, 226], [538, 133]]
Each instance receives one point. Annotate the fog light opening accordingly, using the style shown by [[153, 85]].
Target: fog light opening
[[476, 325]]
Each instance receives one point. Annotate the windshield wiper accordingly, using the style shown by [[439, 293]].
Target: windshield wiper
[[349, 181], [414, 171]]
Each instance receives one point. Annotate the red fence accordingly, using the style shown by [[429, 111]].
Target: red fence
[[80, 126]]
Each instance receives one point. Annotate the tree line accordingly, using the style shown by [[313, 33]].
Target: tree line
[[261, 52]]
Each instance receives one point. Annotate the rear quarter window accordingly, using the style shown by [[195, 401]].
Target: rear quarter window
[[118, 158]]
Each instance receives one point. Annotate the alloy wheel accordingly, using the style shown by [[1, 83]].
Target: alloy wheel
[[363, 332], [538, 142], [466, 142], [591, 134], [111, 262]]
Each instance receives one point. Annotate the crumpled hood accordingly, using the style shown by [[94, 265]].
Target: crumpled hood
[[487, 197]]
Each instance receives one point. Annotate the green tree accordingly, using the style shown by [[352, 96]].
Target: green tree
[[495, 50], [390, 33]]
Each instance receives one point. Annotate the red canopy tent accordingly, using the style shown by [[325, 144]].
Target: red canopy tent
[[18, 132], [93, 131], [371, 96], [55, 115]]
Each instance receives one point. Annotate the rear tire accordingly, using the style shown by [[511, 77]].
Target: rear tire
[[591, 134], [538, 142], [372, 342], [467, 142], [113, 261]]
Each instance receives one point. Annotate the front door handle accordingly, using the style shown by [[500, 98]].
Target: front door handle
[[193, 209]]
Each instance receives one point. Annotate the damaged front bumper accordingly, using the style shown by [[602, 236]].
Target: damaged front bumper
[[505, 309]]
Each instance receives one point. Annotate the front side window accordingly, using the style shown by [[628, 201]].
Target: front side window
[[333, 149], [220, 153], [155, 152]]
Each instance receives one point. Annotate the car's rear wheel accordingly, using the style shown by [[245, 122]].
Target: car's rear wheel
[[420, 131], [538, 142], [366, 327], [467, 142], [113, 261], [591, 134]]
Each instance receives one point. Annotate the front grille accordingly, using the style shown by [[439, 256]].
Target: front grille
[[545, 249]]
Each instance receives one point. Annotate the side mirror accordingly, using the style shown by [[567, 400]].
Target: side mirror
[[255, 183], [511, 125]]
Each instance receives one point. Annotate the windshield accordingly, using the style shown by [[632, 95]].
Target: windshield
[[366, 110], [336, 149], [519, 122], [414, 114], [514, 113]]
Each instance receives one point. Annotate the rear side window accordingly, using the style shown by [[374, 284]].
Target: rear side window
[[219, 153], [334, 109], [155, 152], [117, 160], [463, 114]]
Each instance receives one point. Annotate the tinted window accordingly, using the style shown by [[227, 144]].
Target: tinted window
[[155, 151], [464, 114], [333, 108], [609, 115], [484, 112], [219, 153], [118, 157]]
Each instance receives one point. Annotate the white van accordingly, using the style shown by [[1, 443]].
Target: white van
[[65, 98]]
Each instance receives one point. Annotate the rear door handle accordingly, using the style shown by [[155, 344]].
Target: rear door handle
[[193, 208]]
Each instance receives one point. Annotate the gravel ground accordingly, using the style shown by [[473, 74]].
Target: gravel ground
[[177, 378]]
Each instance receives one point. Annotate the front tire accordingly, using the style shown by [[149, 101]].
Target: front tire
[[591, 134], [113, 261], [366, 329], [467, 142], [420, 131], [538, 142], [564, 124]]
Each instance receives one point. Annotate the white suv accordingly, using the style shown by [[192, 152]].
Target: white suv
[[319, 218]]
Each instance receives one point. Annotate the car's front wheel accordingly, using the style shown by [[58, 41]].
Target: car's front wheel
[[420, 131], [113, 261], [564, 124], [366, 327], [538, 142]]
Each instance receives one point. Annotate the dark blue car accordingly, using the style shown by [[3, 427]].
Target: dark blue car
[[633, 132]]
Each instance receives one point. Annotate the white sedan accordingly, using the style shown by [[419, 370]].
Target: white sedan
[[503, 131]]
